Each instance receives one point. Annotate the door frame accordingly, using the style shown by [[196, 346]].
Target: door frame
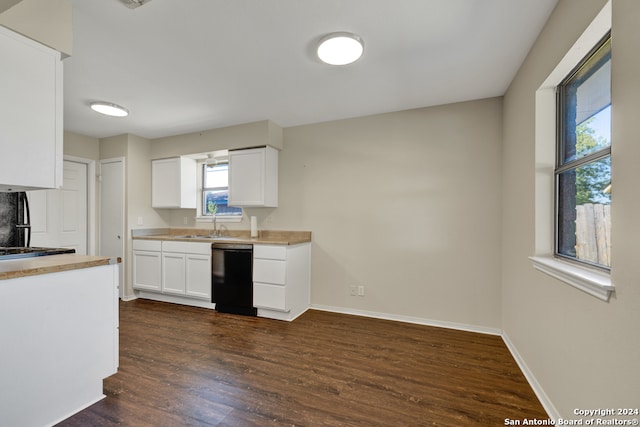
[[122, 264], [91, 200]]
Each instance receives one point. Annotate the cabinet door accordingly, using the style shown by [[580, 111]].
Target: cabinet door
[[147, 271], [198, 276], [246, 177], [30, 114], [173, 183], [173, 273], [165, 183], [253, 177]]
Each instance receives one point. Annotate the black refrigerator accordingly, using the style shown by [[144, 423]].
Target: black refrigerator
[[15, 227]]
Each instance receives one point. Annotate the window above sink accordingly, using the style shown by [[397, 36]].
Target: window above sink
[[213, 190]]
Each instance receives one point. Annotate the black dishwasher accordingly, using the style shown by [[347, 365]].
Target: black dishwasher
[[232, 278]]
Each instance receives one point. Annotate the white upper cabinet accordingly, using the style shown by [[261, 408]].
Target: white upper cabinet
[[173, 183], [31, 127], [253, 177]]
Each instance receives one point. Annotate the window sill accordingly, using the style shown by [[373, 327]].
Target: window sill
[[219, 219], [595, 283]]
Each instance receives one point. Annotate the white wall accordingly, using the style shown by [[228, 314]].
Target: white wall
[[406, 204], [252, 134], [81, 146], [583, 352], [47, 21], [7, 4]]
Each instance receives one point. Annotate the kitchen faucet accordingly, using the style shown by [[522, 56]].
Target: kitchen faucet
[[215, 232]]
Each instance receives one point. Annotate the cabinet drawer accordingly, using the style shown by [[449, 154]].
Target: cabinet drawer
[[147, 245], [269, 271], [269, 296], [270, 252], [201, 248]]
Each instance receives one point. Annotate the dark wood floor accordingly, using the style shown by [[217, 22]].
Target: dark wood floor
[[183, 366]]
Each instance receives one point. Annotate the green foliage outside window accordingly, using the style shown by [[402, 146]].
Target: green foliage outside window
[[593, 178]]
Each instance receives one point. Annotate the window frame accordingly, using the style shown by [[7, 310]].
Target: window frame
[[201, 216], [595, 282], [562, 165]]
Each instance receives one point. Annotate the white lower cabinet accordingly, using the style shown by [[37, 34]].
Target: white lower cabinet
[[271, 297], [186, 269], [198, 276], [180, 272], [173, 268], [281, 280], [59, 340], [147, 265], [173, 273]]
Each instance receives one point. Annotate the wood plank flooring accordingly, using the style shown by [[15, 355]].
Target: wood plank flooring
[[184, 366]]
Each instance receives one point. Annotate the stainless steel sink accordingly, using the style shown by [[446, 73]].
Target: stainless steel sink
[[205, 236]]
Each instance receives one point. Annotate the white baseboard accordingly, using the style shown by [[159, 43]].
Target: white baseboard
[[410, 319], [175, 299], [548, 406], [126, 298], [79, 409]]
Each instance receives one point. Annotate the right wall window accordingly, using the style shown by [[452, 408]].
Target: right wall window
[[583, 161]]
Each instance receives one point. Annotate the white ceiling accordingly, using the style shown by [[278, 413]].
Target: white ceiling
[[184, 66]]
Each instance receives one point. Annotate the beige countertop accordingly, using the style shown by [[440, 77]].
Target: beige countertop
[[14, 268], [271, 237]]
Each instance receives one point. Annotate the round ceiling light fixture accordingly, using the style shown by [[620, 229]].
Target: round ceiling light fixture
[[340, 48], [109, 109]]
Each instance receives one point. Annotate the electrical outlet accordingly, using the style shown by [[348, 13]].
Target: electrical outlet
[[361, 290], [353, 290]]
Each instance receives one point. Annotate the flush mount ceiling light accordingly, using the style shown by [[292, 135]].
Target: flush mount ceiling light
[[340, 48], [132, 4], [109, 109]]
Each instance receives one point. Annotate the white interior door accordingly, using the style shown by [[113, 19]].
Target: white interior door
[[59, 217], [112, 235]]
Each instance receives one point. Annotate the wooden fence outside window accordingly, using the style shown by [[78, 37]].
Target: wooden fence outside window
[[593, 233]]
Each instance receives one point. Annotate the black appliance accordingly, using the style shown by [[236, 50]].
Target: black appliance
[[232, 278], [15, 227], [13, 253]]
